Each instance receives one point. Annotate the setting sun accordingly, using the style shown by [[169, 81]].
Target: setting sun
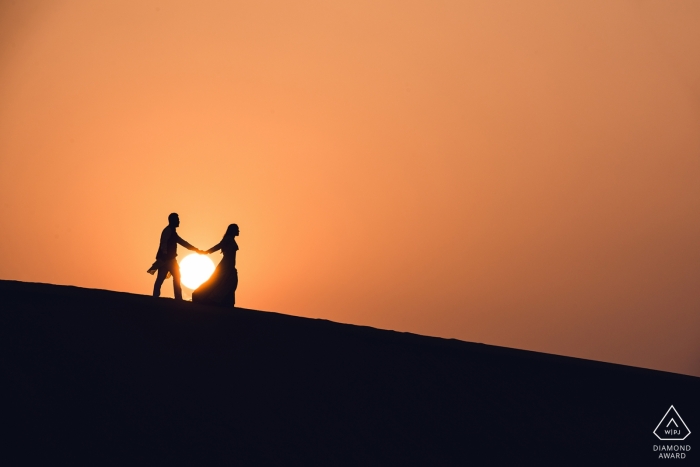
[[195, 269]]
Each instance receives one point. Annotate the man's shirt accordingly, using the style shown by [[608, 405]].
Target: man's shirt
[[167, 250]]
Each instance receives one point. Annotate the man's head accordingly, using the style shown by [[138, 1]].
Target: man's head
[[174, 220]]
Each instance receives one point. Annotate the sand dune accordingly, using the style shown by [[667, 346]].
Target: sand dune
[[106, 378]]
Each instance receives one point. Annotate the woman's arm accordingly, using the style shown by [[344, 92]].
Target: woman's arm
[[216, 247]]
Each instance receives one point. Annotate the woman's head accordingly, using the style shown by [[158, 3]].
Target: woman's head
[[232, 231]]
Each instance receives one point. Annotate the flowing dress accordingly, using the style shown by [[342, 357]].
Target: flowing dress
[[220, 288]]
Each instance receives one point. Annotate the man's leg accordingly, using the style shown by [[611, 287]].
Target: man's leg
[[175, 271], [160, 277]]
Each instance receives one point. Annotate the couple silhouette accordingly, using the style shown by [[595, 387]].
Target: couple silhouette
[[220, 288]]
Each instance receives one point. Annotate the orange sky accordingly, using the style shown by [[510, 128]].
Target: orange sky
[[523, 174]]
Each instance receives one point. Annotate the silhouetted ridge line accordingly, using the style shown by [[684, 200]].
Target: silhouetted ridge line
[[109, 378]]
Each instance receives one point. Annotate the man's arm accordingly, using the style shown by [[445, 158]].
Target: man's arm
[[185, 244]]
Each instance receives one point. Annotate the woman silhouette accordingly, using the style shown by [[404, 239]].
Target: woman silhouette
[[220, 289]]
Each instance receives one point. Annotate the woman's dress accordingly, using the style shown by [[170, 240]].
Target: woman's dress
[[220, 288]]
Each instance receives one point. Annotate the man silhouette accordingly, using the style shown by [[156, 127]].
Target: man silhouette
[[166, 264]]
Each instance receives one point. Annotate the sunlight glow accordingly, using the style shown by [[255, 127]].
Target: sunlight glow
[[195, 269]]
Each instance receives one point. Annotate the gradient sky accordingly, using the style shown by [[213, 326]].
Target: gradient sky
[[523, 174]]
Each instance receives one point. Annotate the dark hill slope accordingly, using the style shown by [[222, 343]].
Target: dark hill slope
[[104, 378]]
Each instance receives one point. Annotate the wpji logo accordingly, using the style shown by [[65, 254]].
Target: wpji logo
[[672, 428]]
